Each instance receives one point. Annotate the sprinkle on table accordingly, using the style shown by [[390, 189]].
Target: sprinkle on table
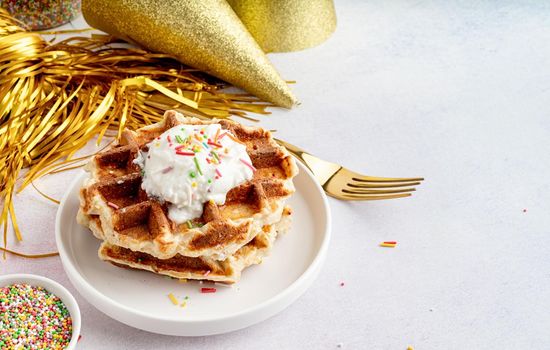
[[342, 284], [525, 210], [208, 290], [410, 348], [33, 318], [388, 244]]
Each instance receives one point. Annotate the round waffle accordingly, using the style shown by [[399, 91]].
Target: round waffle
[[198, 268], [129, 219]]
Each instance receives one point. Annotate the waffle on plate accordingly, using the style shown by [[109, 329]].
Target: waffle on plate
[[222, 240]]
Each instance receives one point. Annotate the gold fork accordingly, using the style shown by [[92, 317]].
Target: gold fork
[[344, 184]]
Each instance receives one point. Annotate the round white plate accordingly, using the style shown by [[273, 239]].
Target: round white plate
[[140, 299]]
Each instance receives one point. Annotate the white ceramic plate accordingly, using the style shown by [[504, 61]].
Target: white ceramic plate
[[140, 299]]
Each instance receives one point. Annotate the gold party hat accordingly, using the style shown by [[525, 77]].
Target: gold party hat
[[205, 34], [287, 25]]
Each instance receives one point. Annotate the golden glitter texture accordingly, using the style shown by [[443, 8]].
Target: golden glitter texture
[[205, 34], [287, 25]]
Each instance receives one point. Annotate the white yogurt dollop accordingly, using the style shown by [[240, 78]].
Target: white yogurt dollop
[[189, 165]]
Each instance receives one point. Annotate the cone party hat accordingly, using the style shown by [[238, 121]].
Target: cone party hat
[[205, 34], [287, 25]]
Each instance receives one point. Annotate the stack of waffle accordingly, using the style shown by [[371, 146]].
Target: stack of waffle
[[217, 246]]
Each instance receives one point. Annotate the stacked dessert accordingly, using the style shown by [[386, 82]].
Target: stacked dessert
[[189, 199]]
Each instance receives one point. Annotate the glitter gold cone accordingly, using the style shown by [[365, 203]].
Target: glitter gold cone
[[287, 25], [205, 34]]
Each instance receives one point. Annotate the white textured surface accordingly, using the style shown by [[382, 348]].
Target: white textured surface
[[458, 92]]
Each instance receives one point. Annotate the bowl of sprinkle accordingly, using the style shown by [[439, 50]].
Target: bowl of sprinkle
[[37, 313]]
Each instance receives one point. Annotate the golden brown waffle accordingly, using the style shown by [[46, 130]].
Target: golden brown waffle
[[198, 268], [129, 219]]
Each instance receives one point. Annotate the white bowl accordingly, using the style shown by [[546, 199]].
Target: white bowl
[[54, 288]]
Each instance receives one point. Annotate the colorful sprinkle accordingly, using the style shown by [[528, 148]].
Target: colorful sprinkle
[[341, 284], [215, 144], [192, 174], [215, 156], [168, 169], [197, 165], [389, 244], [247, 164], [173, 299], [218, 173], [113, 205], [43, 14], [33, 318], [208, 290], [179, 139], [182, 153]]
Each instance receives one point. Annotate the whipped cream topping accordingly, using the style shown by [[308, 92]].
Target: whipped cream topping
[[189, 165]]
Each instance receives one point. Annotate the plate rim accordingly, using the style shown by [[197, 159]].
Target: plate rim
[[306, 276]]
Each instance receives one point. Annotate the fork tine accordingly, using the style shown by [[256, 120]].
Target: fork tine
[[361, 178], [359, 192], [374, 197], [382, 185]]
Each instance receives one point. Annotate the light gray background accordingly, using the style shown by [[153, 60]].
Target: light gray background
[[456, 91]]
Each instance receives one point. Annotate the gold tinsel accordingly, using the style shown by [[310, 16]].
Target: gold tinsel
[[55, 97]]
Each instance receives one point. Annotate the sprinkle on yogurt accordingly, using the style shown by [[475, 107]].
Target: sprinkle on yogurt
[[184, 168]]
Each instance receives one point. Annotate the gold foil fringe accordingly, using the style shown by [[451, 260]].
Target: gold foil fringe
[[55, 97]]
